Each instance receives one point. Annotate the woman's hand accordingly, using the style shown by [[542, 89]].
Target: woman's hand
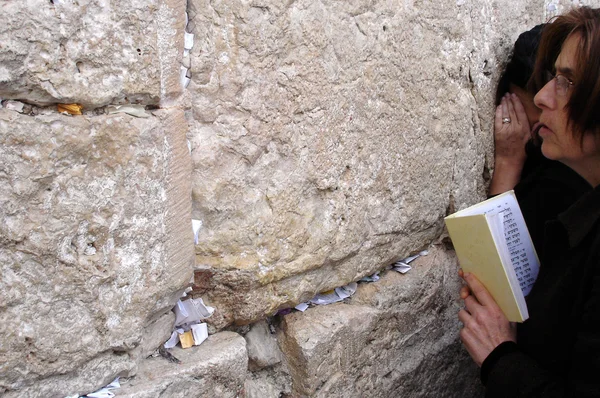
[[511, 130], [511, 133], [485, 325]]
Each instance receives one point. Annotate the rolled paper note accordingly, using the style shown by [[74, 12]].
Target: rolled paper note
[[196, 225], [173, 340], [188, 40], [136, 110], [72, 109]]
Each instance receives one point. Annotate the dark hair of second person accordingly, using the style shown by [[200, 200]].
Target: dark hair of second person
[[521, 64]]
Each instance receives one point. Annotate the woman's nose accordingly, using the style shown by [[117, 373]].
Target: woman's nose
[[545, 98]]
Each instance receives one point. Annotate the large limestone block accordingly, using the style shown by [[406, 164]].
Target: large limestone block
[[216, 368], [92, 52], [95, 245], [330, 138], [397, 337]]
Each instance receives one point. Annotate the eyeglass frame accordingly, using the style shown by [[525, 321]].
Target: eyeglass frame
[[563, 83]]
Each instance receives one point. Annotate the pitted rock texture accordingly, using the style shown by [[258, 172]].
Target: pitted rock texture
[[91, 52], [216, 368], [95, 245], [330, 139], [271, 382], [262, 347], [395, 338]]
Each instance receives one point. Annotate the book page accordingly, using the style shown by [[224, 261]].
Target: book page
[[522, 254]]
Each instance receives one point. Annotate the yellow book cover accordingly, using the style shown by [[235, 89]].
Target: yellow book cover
[[492, 242]]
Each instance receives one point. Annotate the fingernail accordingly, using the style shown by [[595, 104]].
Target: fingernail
[[467, 274]]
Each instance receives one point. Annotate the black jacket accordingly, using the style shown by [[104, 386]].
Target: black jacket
[[547, 188]]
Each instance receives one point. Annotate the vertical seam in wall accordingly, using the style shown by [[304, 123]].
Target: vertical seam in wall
[[188, 43]]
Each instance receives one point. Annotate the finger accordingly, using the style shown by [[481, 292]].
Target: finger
[[466, 336], [471, 304], [464, 292], [511, 109], [460, 272], [497, 120], [464, 317], [479, 291], [504, 106], [520, 113]]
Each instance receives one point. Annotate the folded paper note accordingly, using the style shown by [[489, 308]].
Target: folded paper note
[[72, 109], [191, 311], [186, 339], [200, 333], [131, 109]]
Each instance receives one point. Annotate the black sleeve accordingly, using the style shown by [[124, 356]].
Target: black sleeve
[[514, 374]]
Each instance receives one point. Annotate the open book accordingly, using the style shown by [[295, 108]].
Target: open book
[[492, 242]]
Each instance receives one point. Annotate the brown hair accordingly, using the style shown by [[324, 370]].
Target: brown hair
[[583, 106]]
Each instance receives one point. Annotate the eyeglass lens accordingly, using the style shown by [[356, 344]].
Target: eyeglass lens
[[562, 83]]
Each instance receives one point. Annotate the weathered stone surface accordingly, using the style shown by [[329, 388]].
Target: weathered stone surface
[[260, 389], [397, 337], [262, 347], [269, 383], [330, 138], [154, 335], [216, 368], [95, 244], [91, 52]]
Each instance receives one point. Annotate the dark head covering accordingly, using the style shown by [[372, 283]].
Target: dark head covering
[[520, 67]]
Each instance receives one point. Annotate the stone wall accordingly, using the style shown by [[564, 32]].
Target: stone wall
[[95, 233], [396, 337], [325, 140], [329, 139]]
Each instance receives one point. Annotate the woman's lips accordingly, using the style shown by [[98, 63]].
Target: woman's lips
[[544, 131]]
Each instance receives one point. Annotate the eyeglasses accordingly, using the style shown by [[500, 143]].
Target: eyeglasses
[[562, 83]]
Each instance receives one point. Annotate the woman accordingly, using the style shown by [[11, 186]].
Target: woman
[[544, 187], [556, 352]]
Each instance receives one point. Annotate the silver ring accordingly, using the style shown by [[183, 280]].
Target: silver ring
[[505, 120]]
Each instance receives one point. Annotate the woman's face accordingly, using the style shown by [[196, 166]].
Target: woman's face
[[559, 142], [526, 98]]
